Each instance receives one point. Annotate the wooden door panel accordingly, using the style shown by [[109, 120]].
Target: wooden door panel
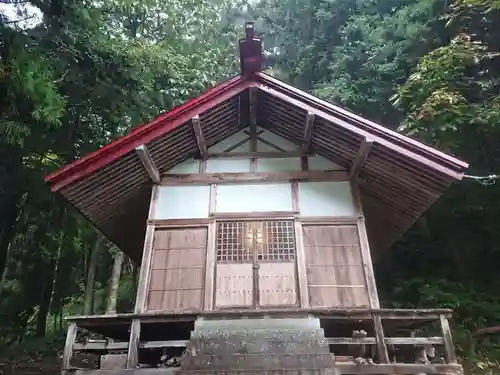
[[335, 272], [277, 284], [177, 269], [234, 285]]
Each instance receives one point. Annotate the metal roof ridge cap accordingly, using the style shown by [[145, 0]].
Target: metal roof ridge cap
[[146, 127], [393, 135]]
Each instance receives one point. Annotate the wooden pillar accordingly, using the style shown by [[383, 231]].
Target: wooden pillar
[[133, 344], [210, 267], [380, 337], [301, 267], [147, 252], [449, 348], [369, 275], [68, 346]]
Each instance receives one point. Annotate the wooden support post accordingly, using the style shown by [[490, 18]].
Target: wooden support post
[[148, 163], [295, 197], [253, 126], [210, 268], [362, 155], [304, 163], [301, 267], [147, 253], [379, 335], [133, 344], [308, 132], [200, 140], [68, 346], [449, 348]]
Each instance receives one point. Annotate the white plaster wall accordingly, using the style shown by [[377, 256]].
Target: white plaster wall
[[223, 145], [319, 163], [277, 140], [188, 166], [263, 147], [226, 165], [325, 199], [254, 198], [182, 202], [278, 165]]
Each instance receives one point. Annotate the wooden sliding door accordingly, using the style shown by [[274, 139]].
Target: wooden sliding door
[[177, 269], [255, 264], [335, 271]]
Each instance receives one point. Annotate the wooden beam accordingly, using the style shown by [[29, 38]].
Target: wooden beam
[[147, 254], [163, 223], [253, 117], [200, 140], [253, 127], [148, 163], [449, 348], [301, 267], [361, 156], [383, 354], [133, 344], [388, 340], [255, 177], [208, 298], [269, 215], [250, 155], [117, 345], [308, 132], [341, 367], [68, 346], [487, 331]]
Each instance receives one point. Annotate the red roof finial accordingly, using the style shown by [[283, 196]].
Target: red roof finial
[[250, 51]]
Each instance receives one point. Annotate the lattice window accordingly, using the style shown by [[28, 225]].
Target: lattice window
[[244, 242]]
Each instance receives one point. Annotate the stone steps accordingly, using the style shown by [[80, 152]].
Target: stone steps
[[249, 345], [263, 372]]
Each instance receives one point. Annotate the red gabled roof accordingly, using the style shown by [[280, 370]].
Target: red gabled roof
[[161, 125], [362, 123], [170, 120]]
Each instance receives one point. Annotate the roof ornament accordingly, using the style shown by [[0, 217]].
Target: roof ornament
[[251, 60]]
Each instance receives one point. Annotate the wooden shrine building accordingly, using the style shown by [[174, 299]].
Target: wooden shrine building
[[255, 211]]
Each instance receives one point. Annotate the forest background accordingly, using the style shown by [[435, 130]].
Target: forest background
[[76, 74]]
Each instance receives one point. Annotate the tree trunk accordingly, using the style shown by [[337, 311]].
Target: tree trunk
[[8, 227], [57, 262], [41, 321], [115, 283], [89, 288], [8, 250]]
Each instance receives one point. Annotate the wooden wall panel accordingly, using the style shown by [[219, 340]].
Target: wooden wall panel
[[177, 269], [234, 285], [277, 284], [335, 271]]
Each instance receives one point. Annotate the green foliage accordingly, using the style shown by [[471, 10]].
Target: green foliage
[[83, 74], [90, 71]]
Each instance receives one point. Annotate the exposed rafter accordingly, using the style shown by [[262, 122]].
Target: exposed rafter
[[361, 156], [253, 118], [308, 131], [148, 163], [200, 140]]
